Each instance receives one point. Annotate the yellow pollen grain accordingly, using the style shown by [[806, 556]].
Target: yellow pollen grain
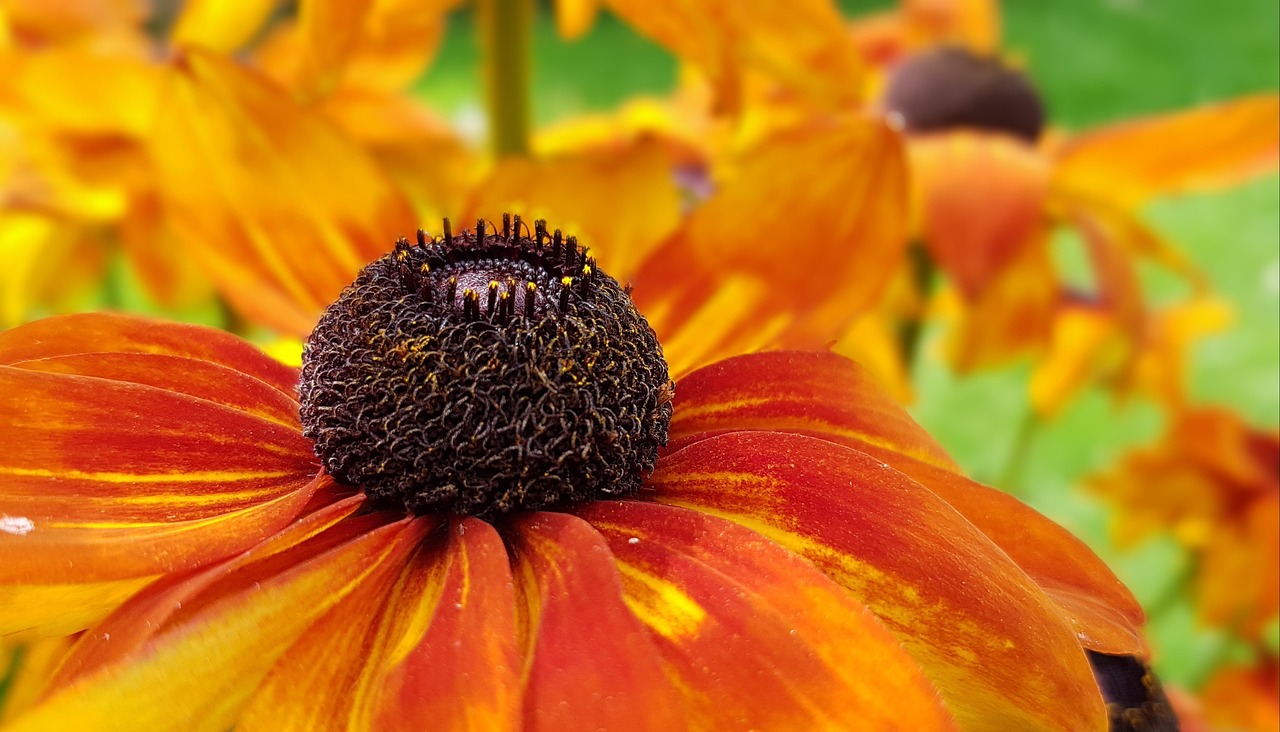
[[566, 281]]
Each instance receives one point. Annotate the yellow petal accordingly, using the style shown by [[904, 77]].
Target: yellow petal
[[218, 25], [575, 17]]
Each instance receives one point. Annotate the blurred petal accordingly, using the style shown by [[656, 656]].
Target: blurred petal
[[457, 663], [197, 674], [974, 24], [220, 26], [619, 202], [80, 92], [1201, 149], [832, 398], [1083, 346], [1011, 318], [784, 40], [800, 241], [753, 636], [280, 208], [969, 616], [378, 45], [982, 199], [575, 17], [581, 637], [30, 666], [1244, 697], [1161, 371]]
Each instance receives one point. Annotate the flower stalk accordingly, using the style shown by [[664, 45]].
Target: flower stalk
[[505, 32]]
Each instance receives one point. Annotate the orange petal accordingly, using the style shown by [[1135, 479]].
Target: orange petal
[[619, 202], [346, 649], [457, 666], [789, 251], [219, 26], [590, 663], [972, 23], [138, 462], [99, 333], [279, 207], [799, 44], [754, 637], [1083, 346], [982, 198], [1200, 149], [832, 398], [134, 623], [1012, 317], [378, 45], [967, 614], [77, 91], [198, 673], [575, 17]]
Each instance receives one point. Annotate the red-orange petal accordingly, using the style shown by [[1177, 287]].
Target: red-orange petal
[[590, 664], [982, 198], [147, 448], [198, 671], [1205, 148], [826, 396], [966, 613], [801, 240], [754, 637], [89, 333], [280, 207], [457, 666]]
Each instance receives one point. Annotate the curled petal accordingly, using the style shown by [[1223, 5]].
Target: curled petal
[[281, 208], [752, 636], [590, 663], [198, 672], [1200, 149], [967, 614], [982, 198], [831, 398]]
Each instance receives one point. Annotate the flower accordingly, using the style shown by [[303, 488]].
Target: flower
[[78, 180], [798, 526], [990, 184], [1212, 482]]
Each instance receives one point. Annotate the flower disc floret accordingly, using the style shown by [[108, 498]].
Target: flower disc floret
[[486, 372]]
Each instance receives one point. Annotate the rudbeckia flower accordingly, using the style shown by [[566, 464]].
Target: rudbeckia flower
[[1213, 481], [481, 505]]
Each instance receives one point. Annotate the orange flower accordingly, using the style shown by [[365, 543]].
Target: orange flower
[[77, 179], [1212, 481], [1244, 698], [798, 526]]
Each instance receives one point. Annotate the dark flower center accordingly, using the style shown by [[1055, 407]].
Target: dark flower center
[[485, 372], [951, 88]]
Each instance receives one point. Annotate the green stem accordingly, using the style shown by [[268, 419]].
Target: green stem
[[923, 273], [1011, 477], [506, 27]]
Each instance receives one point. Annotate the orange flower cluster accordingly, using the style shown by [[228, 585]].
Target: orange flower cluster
[[175, 554]]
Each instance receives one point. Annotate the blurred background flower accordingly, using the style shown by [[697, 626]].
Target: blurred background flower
[[1070, 271]]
